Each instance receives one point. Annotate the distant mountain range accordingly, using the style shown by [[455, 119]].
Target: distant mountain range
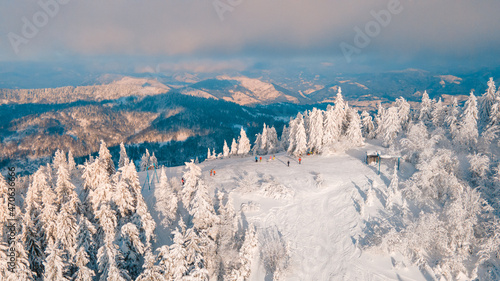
[[361, 89]]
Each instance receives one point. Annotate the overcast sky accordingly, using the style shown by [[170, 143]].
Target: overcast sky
[[423, 30]]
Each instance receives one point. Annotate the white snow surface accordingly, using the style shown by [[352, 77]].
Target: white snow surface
[[318, 216]]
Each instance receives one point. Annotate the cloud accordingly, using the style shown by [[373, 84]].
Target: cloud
[[425, 28]]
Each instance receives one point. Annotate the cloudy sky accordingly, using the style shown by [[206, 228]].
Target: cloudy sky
[[437, 32]]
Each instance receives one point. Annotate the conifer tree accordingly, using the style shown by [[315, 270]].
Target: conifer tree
[[225, 150], [425, 112], [452, 119], [403, 112], [354, 133], [438, 114], [105, 158], [315, 132], [367, 125], [153, 161], [243, 143], [300, 136], [166, 200], [123, 156], [329, 126], [54, 264], [71, 162], [234, 147], [486, 102], [145, 161], [468, 132]]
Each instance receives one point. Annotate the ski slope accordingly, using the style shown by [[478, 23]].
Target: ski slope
[[320, 212]]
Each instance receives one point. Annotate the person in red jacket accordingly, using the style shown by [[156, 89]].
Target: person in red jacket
[[300, 160]]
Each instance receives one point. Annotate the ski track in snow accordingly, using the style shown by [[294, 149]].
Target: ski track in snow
[[320, 224]]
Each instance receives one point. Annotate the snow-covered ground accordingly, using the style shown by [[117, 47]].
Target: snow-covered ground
[[320, 211]]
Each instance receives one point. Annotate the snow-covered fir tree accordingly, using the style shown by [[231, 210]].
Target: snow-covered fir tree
[[105, 158], [234, 148], [367, 125], [425, 111], [225, 150], [123, 156], [300, 137], [166, 200], [315, 132], [468, 133], [243, 143], [145, 161], [354, 132]]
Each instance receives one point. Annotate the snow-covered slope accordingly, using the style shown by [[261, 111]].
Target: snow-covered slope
[[317, 207], [240, 90]]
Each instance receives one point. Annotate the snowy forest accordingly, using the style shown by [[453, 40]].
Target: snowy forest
[[91, 221]]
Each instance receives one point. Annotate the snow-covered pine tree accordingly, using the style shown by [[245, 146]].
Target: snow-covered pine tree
[[451, 119], [54, 264], [247, 255], [243, 143], [378, 117], [225, 150], [191, 177], [66, 232], [124, 195], [108, 253], [49, 214], [59, 159], [284, 140], [145, 160], [367, 125], [177, 257], [22, 270], [438, 114], [315, 132], [153, 160], [201, 208], [403, 112], [468, 133], [234, 148], [132, 249], [105, 158], [123, 156], [425, 112], [65, 191], [209, 154], [272, 140], [393, 193], [389, 126], [300, 136], [479, 168], [33, 231], [71, 162], [86, 251], [263, 147], [151, 271], [486, 102], [329, 126], [354, 134], [166, 200], [339, 116], [292, 133]]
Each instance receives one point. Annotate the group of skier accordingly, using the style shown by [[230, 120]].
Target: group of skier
[[259, 159]]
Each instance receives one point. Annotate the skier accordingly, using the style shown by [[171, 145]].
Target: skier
[[256, 159], [300, 160], [288, 163], [211, 172], [214, 173], [182, 181], [261, 159], [273, 157]]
